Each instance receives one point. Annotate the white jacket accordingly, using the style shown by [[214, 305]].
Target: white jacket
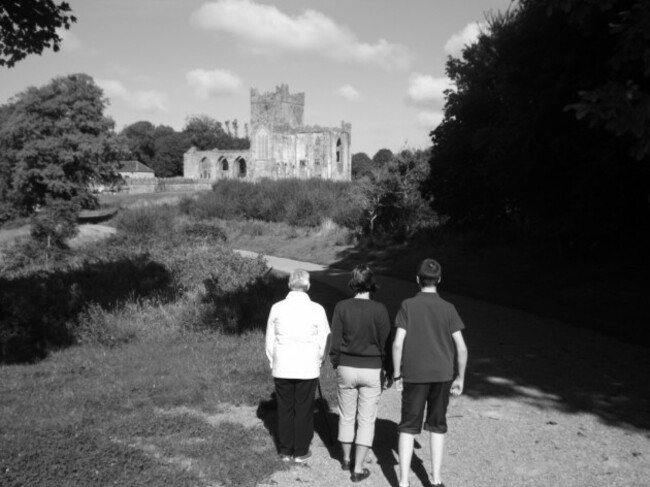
[[296, 337]]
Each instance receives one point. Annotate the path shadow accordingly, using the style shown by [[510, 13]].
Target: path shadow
[[544, 362]]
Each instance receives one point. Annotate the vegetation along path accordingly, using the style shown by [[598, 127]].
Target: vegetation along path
[[545, 404]]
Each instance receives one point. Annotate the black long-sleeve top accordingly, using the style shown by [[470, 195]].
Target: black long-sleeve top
[[360, 329]]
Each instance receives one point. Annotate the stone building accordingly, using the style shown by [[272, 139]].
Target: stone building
[[281, 146]]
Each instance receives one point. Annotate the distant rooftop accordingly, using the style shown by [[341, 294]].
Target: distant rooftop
[[134, 166]]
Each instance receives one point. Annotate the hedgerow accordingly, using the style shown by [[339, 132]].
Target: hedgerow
[[292, 201]]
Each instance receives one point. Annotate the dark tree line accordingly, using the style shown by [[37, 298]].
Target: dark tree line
[[548, 130]]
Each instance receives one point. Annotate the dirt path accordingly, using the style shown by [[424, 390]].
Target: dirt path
[[545, 404]]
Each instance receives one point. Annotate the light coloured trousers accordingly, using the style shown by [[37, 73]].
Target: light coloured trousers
[[358, 395]]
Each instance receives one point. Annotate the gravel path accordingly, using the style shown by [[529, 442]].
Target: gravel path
[[545, 404]]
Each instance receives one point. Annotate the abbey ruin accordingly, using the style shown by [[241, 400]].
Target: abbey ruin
[[281, 146]]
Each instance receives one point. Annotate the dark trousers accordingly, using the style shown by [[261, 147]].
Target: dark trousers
[[295, 414]]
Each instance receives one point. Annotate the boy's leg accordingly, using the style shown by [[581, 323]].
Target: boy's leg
[[406, 442], [437, 444], [414, 398], [436, 424]]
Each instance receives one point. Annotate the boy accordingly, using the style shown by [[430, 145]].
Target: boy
[[427, 337]]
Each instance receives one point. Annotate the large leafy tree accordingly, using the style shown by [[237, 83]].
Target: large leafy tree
[[547, 129], [169, 147], [58, 142], [206, 133], [31, 27]]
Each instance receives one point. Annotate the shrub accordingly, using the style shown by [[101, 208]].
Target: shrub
[[147, 221], [205, 230], [55, 223]]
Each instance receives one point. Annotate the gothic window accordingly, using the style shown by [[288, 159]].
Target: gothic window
[[242, 167], [303, 163], [224, 163], [339, 155], [204, 168]]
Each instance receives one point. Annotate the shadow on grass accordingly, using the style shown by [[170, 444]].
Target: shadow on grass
[[37, 310]]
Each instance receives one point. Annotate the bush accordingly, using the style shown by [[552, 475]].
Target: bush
[[55, 223], [292, 201], [147, 221], [205, 230]]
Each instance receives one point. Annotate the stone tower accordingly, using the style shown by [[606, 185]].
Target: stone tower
[[277, 109]]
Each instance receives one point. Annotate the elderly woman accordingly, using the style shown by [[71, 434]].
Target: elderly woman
[[360, 329], [296, 340]]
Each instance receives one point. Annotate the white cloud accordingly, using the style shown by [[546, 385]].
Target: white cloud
[[143, 100], [267, 29], [348, 92], [69, 41], [218, 82], [467, 36], [424, 89], [430, 120]]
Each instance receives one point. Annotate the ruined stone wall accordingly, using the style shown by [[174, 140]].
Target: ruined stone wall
[[281, 146]]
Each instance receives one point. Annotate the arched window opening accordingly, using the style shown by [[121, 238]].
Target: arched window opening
[[204, 168], [242, 167], [339, 148], [224, 163]]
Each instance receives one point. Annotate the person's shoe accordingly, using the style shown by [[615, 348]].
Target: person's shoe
[[285, 458], [303, 458], [358, 477], [345, 465]]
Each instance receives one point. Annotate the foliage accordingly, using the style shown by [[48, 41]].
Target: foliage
[[514, 151], [392, 199], [206, 133], [382, 157], [361, 165], [30, 28], [55, 223], [57, 142], [293, 201], [159, 147]]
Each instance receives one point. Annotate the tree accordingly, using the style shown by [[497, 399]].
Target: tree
[[382, 156], [392, 197], [140, 140], [169, 147], [514, 148], [59, 143], [361, 165], [31, 27], [204, 132]]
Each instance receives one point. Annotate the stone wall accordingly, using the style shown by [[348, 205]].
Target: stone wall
[[155, 185]]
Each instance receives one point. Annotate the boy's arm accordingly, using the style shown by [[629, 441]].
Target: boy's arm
[[461, 360], [398, 348]]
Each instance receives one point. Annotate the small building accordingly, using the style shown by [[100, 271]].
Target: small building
[[281, 146], [135, 170]]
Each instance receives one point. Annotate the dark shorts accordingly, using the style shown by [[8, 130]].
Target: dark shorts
[[433, 395]]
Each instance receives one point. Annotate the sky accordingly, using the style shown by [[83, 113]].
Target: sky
[[377, 64]]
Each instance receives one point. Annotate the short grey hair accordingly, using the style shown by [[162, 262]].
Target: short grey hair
[[299, 280]]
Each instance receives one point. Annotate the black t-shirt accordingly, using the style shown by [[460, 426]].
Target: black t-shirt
[[428, 353]]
